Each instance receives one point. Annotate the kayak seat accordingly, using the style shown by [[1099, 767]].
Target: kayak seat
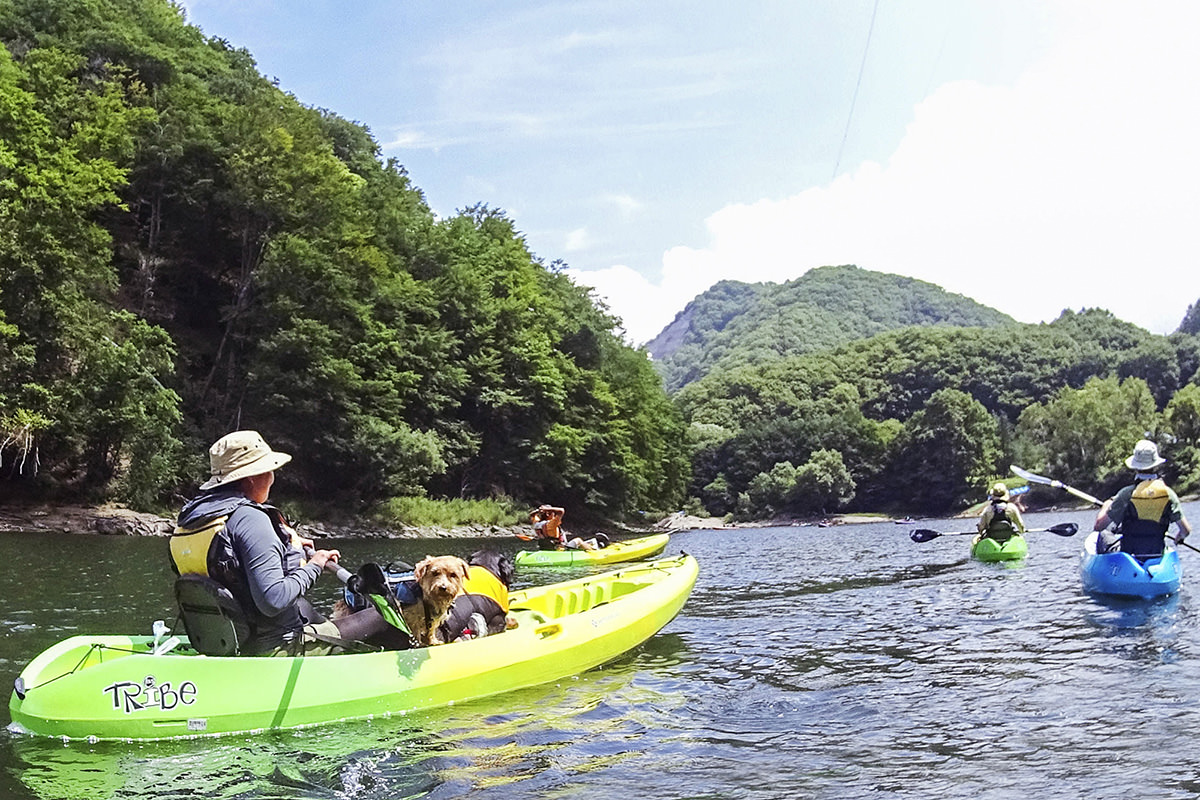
[[215, 623]]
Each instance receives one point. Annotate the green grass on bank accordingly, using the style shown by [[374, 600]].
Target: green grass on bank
[[423, 512]]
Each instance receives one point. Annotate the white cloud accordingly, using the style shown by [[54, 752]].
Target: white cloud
[[1078, 186], [577, 240], [413, 140], [626, 205], [630, 296]]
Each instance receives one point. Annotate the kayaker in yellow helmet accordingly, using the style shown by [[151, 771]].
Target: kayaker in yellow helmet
[[1142, 512], [1001, 519], [229, 533]]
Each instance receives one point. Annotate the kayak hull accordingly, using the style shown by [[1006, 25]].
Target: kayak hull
[[1123, 575], [114, 688], [615, 553], [985, 548]]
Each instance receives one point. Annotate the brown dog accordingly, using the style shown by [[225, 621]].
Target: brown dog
[[440, 579], [485, 595]]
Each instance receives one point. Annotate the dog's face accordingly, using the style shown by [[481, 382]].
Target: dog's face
[[441, 577], [496, 563]]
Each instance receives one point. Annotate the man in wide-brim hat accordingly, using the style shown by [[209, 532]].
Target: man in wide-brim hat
[[1001, 518], [253, 552], [1142, 512]]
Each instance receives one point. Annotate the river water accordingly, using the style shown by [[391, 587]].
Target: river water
[[842, 662]]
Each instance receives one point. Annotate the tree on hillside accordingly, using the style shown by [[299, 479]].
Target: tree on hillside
[[1187, 353], [1155, 361], [1182, 421], [945, 454], [823, 484], [83, 395], [820, 485], [769, 492], [1191, 320], [1082, 436]]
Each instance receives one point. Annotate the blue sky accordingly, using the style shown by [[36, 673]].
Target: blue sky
[[1035, 156]]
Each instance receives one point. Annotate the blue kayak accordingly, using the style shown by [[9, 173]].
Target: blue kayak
[[1122, 574]]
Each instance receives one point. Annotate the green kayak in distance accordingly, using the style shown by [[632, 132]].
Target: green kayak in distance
[[985, 548], [114, 687], [615, 553]]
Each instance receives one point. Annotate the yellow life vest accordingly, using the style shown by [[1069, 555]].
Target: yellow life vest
[[1150, 499], [1145, 520], [190, 546], [481, 581]]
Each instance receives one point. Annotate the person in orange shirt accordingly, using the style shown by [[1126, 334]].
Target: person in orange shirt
[[547, 525]]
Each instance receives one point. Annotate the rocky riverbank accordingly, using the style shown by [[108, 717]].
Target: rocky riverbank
[[119, 521], [106, 519]]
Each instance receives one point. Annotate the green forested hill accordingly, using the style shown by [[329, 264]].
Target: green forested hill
[[923, 418], [847, 389], [736, 324], [185, 250]]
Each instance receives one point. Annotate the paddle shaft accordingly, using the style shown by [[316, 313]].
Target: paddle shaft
[[1042, 479], [976, 533], [927, 535], [1188, 546], [342, 573]]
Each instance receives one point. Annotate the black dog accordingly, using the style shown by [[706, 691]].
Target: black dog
[[485, 597]]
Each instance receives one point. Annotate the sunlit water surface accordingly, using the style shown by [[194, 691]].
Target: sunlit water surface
[[842, 662]]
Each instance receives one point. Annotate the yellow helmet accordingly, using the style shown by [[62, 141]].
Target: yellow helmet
[[999, 491]]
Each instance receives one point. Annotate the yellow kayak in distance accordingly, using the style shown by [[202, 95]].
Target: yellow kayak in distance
[[628, 550]]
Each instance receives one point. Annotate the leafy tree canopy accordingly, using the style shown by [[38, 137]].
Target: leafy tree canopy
[[188, 250]]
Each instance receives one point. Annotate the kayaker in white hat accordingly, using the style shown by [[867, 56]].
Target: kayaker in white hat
[[1141, 513], [230, 534]]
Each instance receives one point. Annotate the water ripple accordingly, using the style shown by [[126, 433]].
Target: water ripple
[[817, 663]]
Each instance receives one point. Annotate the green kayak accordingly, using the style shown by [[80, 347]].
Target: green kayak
[[115, 687], [985, 548], [629, 550]]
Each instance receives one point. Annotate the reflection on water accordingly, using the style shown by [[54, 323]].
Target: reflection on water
[[840, 662], [593, 720]]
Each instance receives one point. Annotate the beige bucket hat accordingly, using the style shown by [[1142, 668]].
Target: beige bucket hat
[[239, 455], [1145, 456]]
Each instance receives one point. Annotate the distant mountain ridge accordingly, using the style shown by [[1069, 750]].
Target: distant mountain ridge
[[736, 324]]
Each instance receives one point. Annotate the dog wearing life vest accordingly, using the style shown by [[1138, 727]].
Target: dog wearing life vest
[[440, 580], [482, 608]]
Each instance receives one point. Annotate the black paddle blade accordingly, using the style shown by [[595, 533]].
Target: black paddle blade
[[923, 535], [1064, 528], [369, 580]]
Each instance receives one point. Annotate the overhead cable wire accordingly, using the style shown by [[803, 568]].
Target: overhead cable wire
[[854, 100]]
